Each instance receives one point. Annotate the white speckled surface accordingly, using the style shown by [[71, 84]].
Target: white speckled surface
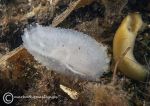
[[65, 49]]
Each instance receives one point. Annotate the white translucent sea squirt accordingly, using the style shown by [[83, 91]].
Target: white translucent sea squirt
[[66, 50]]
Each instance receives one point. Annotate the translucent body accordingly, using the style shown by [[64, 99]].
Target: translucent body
[[65, 49]]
